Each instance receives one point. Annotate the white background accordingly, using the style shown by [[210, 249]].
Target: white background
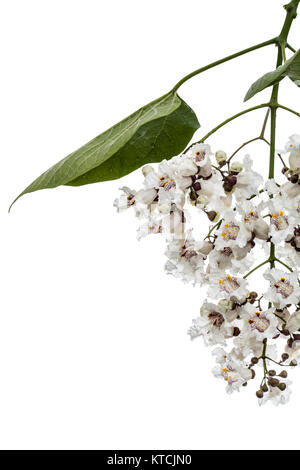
[[93, 344]]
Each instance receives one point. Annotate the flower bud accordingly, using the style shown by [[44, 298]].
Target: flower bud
[[205, 248], [272, 372], [283, 374], [253, 294], [212, 215], [282, 386], [202, 200], [221, 156], [227, 187], [259, 394], [294, 179], [273, 382], [284, 357], [261, 230], [293, 363], [187, 168], [197, 186], [236, 331], [236, 167], [254, 360], [265, 388], [293, 323], [225, 304], [231, 179], [294, 160], [163, 208], [146, 196], [147, 169]]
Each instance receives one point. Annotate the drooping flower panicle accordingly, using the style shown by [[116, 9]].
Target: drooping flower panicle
[[243, 213]]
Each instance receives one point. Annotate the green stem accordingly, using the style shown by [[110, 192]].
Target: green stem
[[282, 161], [231, 119], [244, 145], [217, 225], [283, 264], [282, 46], [263, 357], [290, 48], [254, 195], [262, 134], [221, 61], [281, 318], [291, 14], [278, 363], [256, 267], [288, 109], [272, 255]]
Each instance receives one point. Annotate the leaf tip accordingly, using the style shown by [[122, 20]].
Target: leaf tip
[[15, 200]]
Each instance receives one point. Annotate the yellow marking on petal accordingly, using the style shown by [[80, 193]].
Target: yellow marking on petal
[[221, 282]]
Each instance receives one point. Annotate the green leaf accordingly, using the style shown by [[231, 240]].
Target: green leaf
[[290, 68], [294, 69], [159, 130]]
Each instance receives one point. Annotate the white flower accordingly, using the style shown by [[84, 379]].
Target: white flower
[[186, 258], [233, 259], [290, 190], [187, 167], [231, 233], [284, 288], [146, 196], [225, 285], [248, 181], [271, 187], [234, 373], [126, 200], [212, 195], [293, 323], [293, 148], [281, 223], [200, 154], [150, 227], [290, 252], [211, 325], [257, 323]]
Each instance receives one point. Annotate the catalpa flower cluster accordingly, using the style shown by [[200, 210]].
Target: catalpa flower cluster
[[246, 218]]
